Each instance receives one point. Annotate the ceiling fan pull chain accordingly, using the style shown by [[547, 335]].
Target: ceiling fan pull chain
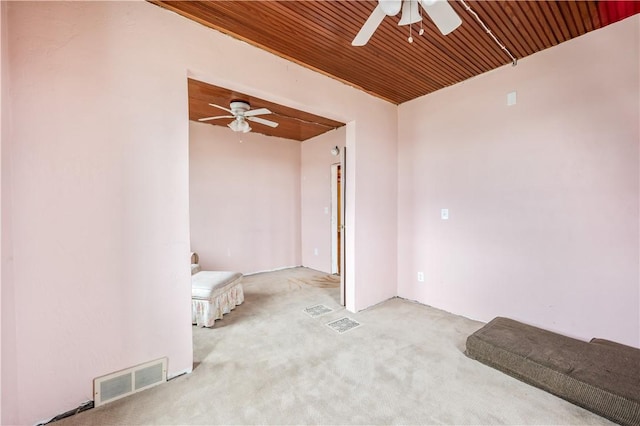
[[420, 14], [410, 39]]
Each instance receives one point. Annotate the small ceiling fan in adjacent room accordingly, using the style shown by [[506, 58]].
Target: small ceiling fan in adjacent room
[[440, 12], [242, 113]]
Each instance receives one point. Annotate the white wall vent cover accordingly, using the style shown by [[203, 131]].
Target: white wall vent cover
[[129, 381]]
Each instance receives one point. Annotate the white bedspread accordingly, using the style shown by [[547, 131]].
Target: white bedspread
[[213, 294]]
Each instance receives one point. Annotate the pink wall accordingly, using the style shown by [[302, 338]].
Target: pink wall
[[316, 197], [8, 377], [543, 196], [372, 194], [244, 199], [99, 176], [99, 170]]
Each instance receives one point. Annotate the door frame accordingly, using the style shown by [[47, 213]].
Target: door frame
[[335, 219], [338, 209]]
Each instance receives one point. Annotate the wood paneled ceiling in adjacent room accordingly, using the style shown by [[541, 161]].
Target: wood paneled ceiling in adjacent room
[[318, 34], [292, 123]]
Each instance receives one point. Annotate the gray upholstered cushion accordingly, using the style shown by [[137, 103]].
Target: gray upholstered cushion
[[601, 377]]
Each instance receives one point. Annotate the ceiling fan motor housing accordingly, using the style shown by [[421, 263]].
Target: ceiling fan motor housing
[[239, 107]]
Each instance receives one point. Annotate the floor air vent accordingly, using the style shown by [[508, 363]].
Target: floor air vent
[[343, 325], [129, 381], [317, 310]]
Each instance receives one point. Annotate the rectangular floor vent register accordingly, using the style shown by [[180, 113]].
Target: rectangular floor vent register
[[317, 310], [129, 381], [343, 325]]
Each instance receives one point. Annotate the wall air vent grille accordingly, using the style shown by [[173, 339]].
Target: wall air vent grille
[[129, 381]]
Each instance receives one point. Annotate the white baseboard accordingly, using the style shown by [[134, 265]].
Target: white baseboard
[[272, 270]]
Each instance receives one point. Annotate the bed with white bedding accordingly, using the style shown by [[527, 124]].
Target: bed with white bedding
[[213, 293]]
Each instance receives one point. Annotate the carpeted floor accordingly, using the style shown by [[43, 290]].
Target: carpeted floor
[[269, 362]]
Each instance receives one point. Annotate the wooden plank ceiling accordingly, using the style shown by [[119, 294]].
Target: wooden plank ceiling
[[292, 123], [318, 35]]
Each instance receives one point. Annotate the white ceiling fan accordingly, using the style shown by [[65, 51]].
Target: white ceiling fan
[[241, 112], [440, 12]]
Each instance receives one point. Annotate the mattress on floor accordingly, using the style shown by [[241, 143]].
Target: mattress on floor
[[601, 376]]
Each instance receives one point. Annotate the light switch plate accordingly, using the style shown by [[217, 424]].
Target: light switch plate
[[444, 214]]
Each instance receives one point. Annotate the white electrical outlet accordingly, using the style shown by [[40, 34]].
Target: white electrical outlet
[[315, 251], [444, 214], [421, 277]]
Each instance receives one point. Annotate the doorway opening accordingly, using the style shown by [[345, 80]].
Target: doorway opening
[[337, 225]]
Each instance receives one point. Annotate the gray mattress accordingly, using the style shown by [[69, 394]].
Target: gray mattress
[[601, 376]]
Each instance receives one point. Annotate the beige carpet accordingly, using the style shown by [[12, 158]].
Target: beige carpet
[[268, 362]]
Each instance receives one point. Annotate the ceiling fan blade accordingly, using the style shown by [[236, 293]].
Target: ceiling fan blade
[[215, 118], [410, 13], [369, 27], [442, 14], [263, 121], [221, 107], [259, 111]]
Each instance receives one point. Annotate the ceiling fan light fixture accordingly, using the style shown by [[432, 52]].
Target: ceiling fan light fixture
[[240, 125], [410, 13]]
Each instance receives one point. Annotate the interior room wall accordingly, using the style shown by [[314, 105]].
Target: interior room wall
[[8, 378], [316, 161], [99, 156], [543, 196], [244, 196], [372, 198], [100, 181]]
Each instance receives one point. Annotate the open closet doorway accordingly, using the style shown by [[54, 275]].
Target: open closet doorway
[[337, 222]]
